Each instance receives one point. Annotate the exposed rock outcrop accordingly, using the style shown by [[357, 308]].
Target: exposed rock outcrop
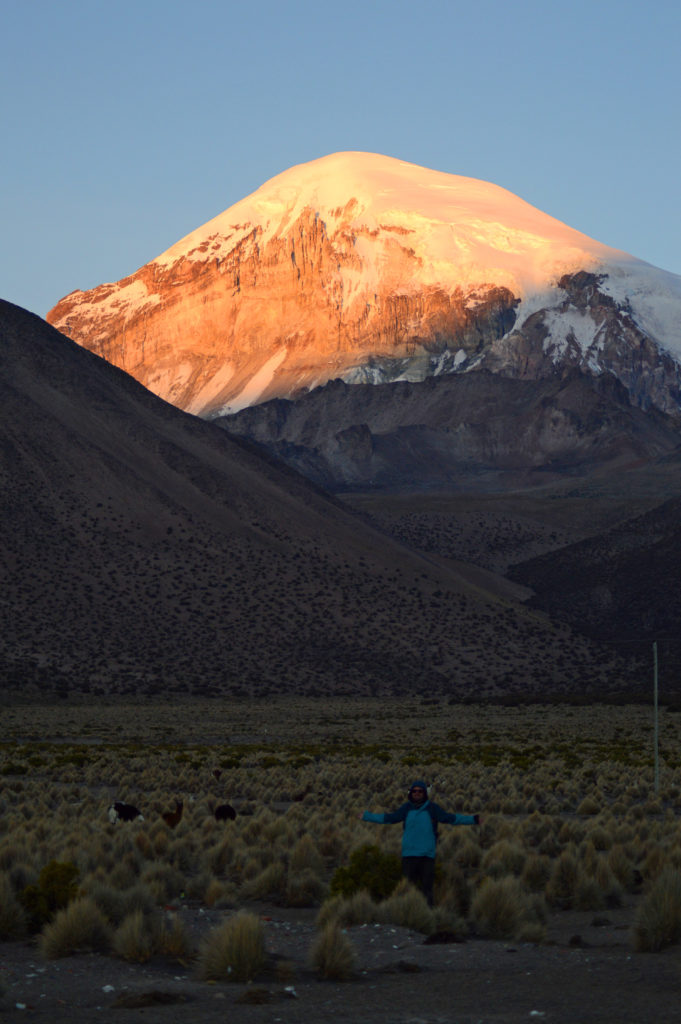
[[475, 432]]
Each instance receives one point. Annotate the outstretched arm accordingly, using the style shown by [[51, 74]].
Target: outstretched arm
[[387, 818], [450, 818]]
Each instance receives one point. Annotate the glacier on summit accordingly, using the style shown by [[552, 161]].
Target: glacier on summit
[[370, 269]]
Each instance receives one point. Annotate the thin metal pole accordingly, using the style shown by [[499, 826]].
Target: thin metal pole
[[656, 729]]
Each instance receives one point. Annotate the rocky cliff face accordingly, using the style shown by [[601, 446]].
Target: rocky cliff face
[[587, 329], [371, 270], [474, 432]]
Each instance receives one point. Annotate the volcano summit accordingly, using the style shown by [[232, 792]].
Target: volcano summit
[[369, 269]]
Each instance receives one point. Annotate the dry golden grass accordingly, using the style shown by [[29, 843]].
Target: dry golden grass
[[658, 918], [78, 928], [133, 940], [407, 908], [235, 951], [12, 917], [501, 908], [570, 823], [332, 954]]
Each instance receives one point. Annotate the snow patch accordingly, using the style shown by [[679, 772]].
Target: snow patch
[[252, 391], [202, 400]]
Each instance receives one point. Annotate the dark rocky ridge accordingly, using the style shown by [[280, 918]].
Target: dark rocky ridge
[[476, 431]]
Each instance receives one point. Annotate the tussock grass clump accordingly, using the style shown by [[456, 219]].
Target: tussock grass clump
[[504, 858], [217, 893], [566, 876], [79, 927], [358, 909], [268, 883], [164, 881], [590, 805], [536, 872], [408, 908], [132, 939], [305, 855], [501, 909], [622, 867], [235, 951], [170, 937], [332, 954], [12, 916], [658, 918], [304, 889]]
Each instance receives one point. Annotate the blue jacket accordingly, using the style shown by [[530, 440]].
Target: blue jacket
[[418, 838]]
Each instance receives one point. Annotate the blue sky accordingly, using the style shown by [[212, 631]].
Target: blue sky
[[127, 125]]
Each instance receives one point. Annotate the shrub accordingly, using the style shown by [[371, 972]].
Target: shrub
[[622, 867], [163, 880], [332, 954], [79, 927], [358, 909], [500, 907], [536, 872], [658, 919], [268, 883], [171, 937], [504, 858], [305, 855], [12, 916], [565, 879], [304, 889], [235, 951], [132, 940], [453, 890], [370, 869], [408, 908], [54, 890]]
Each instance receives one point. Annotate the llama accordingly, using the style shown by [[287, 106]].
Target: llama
[[124, 812], [224, 812], [172, 818]]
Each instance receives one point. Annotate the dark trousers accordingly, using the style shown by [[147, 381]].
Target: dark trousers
[[420, 871]]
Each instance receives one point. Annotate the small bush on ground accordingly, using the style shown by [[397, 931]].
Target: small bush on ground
[[408, 908], [358, 909], [566, 878], [132, 940], [54, 890], [332, 954], [171, 938], [235, 951], [501, 908], [370, 869], [12, 916], [658, 918], [79, 927], [304, 889], [270, 883]]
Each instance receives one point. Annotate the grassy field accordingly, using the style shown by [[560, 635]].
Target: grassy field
[[571, 817]]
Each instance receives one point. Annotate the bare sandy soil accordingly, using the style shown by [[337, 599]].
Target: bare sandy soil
[[586, 973]]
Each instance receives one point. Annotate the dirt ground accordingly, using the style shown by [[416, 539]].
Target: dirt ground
[[586, 973]]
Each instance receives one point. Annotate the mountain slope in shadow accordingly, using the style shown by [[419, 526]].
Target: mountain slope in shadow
[[145, 551]]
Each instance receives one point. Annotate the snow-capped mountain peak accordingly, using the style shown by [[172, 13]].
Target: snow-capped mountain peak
[[366, 267]]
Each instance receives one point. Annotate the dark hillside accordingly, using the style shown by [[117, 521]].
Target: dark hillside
[[145, 551]]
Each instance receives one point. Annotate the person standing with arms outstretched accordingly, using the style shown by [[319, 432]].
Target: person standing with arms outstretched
[[420, 818]]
